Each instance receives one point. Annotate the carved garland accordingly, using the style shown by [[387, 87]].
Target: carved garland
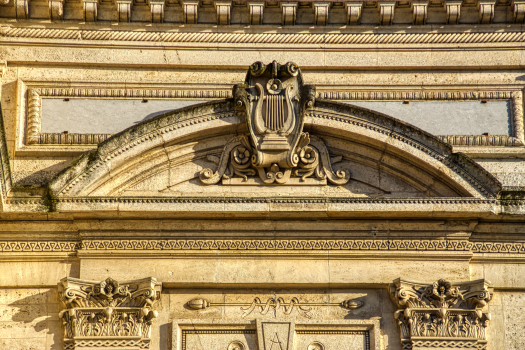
[[108, 313], [442, 313], [34, 113]]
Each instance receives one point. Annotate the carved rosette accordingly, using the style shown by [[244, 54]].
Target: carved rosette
[[442, 314], [110, 313], [273, 101]]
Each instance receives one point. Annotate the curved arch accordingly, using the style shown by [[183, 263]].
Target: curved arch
[[363, 137]]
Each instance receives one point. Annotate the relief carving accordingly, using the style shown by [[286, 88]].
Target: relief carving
[[275, 334], [107, 313], [442, 313], [274, 305], [273, 100]]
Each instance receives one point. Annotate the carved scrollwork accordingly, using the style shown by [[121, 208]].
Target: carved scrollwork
[[274, 100], [108, 310], [273, 305], [442, 312]]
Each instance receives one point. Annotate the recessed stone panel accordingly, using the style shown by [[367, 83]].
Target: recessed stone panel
[[449, 117], [102, 116]]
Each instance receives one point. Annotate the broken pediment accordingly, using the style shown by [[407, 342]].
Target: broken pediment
[[273, 139]]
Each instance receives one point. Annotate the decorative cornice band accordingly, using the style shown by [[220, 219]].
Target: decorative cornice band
[[284, 244], [262, 245], [432, 95], [132, 93], [482, 140], [161, 200], [39, 246], [267, 38]]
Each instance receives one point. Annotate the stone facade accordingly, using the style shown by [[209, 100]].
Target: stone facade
[[187, 175]]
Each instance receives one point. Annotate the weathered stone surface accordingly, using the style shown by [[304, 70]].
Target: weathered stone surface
[[308, 261]]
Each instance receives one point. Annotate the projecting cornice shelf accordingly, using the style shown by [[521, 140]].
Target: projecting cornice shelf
[[287, 13]]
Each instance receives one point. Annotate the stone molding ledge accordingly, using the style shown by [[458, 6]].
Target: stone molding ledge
[[402, 36], [35, 95], [288, 13], [442, 313], [108, 313], [254, 245]]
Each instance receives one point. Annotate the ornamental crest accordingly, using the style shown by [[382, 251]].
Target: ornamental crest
[[273, 101]]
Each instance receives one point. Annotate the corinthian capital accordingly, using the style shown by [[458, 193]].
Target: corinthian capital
[[110, 311], [441, 312]]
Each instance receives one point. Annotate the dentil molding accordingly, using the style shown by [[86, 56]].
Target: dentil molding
[[223, 13]]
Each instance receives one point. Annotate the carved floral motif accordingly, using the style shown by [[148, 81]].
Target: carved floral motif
[[108, 311], [442, 312], [273, 100]]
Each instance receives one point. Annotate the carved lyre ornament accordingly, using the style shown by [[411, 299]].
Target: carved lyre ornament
[[108, 312], [442, 314], [273, 101]]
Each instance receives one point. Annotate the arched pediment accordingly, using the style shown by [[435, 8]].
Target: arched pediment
[[188, 153]]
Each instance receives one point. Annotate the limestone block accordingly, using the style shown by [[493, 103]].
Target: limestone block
[[35, 273], [26, 296], [500, 274], [23, 344], [514, 321]]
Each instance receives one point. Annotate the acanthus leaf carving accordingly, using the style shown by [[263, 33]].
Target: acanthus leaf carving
[[274, 100], [441, 312], [108, 311]]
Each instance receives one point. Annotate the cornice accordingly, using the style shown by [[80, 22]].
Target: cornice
[[286, 13]]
